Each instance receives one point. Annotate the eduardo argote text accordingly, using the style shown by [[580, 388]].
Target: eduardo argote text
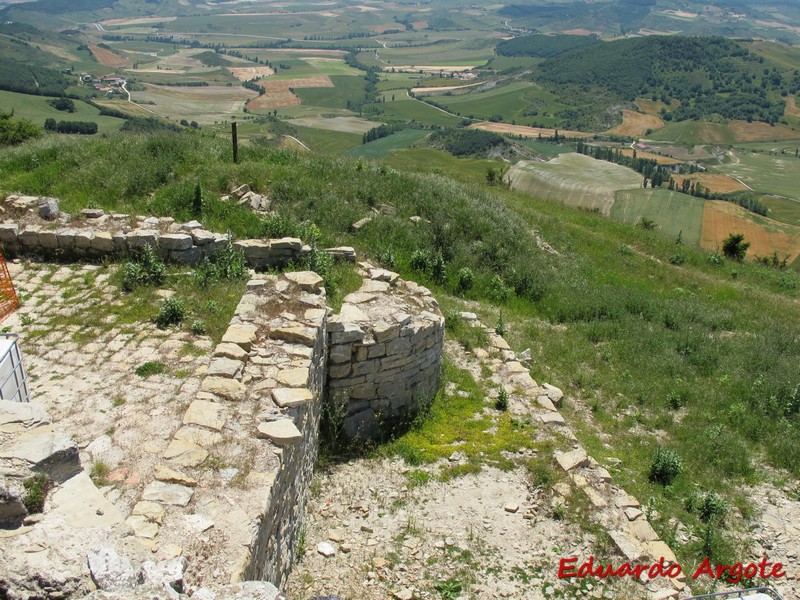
[[764, 569]]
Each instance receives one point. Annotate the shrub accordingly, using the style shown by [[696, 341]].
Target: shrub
[[677, 259], [148, 269], [665, 467], [421, 261], [99, 473], [386, 259], [172, 312], [228, 263], [197, 327], [439, 269], [465, 279], [502, 400], [715, 259], [647, 224], [500, 328], [36, 489], [498, 290], [734, 247]]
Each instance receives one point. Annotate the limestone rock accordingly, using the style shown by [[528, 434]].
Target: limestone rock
[[167, 493], [227, 388], [186, 454], [109, 570], [326, 549], [169, 572], [175, 241], [92, 213], [205, 413], [142, 527], [48, 209], [48, 452], [345, 253], [289, 397], [12, 511], [307, 280], [152, 511], [573, 460], [358, 225], [224, 367], [296, 334], [241, 335], [248, 590], [82, 505], [282, 432], [19, 416], [164, 473], [232, 351]]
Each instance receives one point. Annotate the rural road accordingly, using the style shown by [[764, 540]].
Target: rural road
[[299, 142]]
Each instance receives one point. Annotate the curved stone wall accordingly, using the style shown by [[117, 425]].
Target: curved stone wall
[[384, 354]]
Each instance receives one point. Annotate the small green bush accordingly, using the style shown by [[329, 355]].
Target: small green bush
[[665, 467], [677, 259], [502, 400], [152, 367], [99, 473], [710, 507], [715, 259], [387, 259], [148, 269], [421, 261], [500, 328], [439, 269], [498, 291], [466, 278], [36, 489], [172, 312], [197, 327]]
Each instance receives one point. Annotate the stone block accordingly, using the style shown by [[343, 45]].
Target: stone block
[[175, 241], [66, 239], [385, 332], [48, 240], [16, 417], [290, 397], [201, 237], [340, 353], [226, 388], [296, 334], [363, 425], [398, 346], [206, 414], [282, 432], [120, 241], [192, 257], [307, 280], [92, 213], [350, 332], [139, 238], [339, 371], [573, 460], [109, 570], [9, 233], [224, 367], [343, 253], [253, 249], [103, 241], [167, 475], [186, 454], [287, 243], [241, 335], [29, 237], [167, 493], [50, 452], [376, 350], [297, 377], [232, 351]]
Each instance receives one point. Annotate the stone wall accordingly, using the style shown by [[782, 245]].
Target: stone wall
[[385, 353]]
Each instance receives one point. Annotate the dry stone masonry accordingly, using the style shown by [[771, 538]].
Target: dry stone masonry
[[385, 353]]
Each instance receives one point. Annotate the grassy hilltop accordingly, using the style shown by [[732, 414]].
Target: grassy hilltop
[[661, 344]]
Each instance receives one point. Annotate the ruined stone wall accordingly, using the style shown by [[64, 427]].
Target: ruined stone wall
[[385, 353]]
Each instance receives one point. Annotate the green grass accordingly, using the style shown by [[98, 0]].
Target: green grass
[[38, 110], [777, 174], [387, 146], [428, 160], [407, 109], [332, 142], [786, 210], [638, 331], [673, 213], [347, 89]]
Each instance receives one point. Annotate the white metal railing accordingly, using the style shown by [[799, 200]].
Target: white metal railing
[[13, 384]]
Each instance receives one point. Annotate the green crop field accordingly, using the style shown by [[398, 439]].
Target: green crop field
[[328, 141], [575, 180], [38, 110], [766, 173], [403, 108], [428, 160], [387, 146], [673, 212], [511, 102], [786, 210], [346, 90]]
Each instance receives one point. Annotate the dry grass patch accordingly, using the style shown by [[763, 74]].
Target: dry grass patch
[[720, 184], [761, 132], [107, 58], [525, 131], [662, 160], [720, 219], [635, 124], [277, 94], [247, 73]]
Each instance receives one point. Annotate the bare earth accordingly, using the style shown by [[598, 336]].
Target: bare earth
[[246, 73], [635, 124], [276, 92], [107, 58]]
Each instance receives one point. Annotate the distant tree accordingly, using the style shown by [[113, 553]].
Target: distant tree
[[491, 176], [15, 131], [734, 247]]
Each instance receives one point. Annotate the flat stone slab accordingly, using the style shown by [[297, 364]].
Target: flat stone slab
[[19, 416], [294, 377], [82, 505], [50, 452], [197, 435], [241, 335], [167, 493], [642, 531], [546, 403], [628, 547], [573, 460], [552, 417], [109, 570], [175, 241], [205, 413], [221, 386], [289, 397], [142, 527], [232, 351], [185, 454], [282, 432], [307, 280], [168, 475], [296, 334], [224, 367], [152, 511]]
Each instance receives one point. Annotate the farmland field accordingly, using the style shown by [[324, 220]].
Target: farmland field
[[387, 146], [203, 104], [715, 133], [428, 160], [765, 173], [342, 124], [404, 108], [766, 236], [528, 132], [38, 110], [575, 180], [328, 140], [636, 124], [672, 212], [346, 90], [783, 209]]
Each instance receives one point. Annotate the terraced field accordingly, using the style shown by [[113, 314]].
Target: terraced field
[[672, 212], [575, 180]]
